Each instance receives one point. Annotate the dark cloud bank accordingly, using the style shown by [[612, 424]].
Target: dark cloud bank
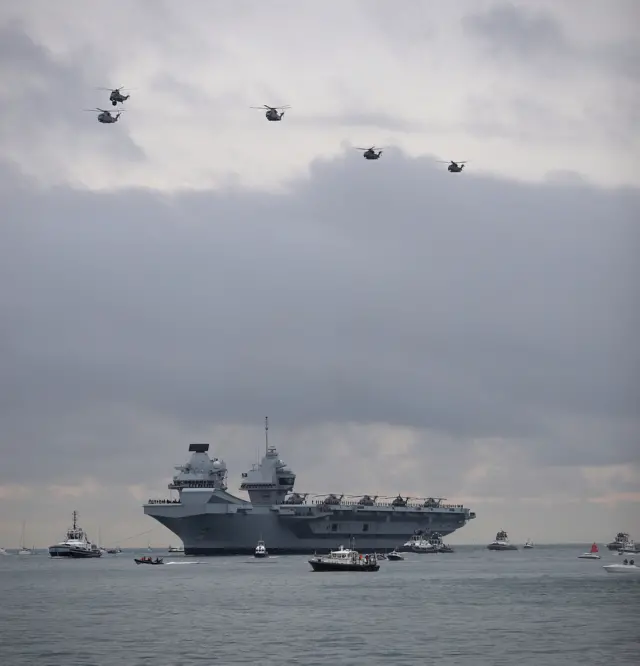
[[373, 292]]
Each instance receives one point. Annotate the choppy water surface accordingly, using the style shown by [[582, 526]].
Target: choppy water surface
[[542, 607]]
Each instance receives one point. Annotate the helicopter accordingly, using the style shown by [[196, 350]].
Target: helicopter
[[116, 96], [370, 153], [272, 111], [454, 167], [105, 116]]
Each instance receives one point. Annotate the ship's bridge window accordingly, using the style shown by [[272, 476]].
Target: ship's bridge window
[[334, 527], [365, 527]]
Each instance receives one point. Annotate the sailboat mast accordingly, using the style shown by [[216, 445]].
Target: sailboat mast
[[266, 435]]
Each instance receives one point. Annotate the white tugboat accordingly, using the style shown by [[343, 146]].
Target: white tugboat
[[76, 545], [261, 550], [622, 542], [175, 549], [501, 542]]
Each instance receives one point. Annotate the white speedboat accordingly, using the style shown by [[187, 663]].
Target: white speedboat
[[624, 568], [261, 550], [592, 554], [394, 556], [3, 551], [528, 544], [76, 545], [176, 549], [501, 542]]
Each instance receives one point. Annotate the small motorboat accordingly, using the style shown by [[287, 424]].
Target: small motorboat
[[627, 567], [528, 544], [345, 559], [261, 550], [175, 549], [592, 554], [394, 556], [148, 560]]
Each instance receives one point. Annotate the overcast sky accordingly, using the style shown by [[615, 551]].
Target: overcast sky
[[181, 274]]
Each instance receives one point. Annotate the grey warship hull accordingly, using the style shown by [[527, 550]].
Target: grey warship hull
[[211, 521], [213, 525]]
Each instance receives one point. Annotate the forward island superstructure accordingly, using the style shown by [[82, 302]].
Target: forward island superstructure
[[211, 521]]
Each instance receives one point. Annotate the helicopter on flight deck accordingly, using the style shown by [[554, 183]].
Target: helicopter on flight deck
[[105, 116], [272, 111], [454, 167], [116, 96], [370, 153]]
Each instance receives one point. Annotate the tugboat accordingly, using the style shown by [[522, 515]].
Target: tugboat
[[501, 542], [175, 549], [621, 542], [148, 560], [592, 554], [439, 545], [76, 545], [345, 559], [261, 550]]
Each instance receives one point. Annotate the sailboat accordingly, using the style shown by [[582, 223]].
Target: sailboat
[[23, 549], [592, 554]]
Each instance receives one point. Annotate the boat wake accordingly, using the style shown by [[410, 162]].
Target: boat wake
[[196, 562]]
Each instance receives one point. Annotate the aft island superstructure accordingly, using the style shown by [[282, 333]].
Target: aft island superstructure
[[211, 521]]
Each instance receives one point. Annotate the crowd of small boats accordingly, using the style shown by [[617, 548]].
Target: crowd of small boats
[[77, 545]]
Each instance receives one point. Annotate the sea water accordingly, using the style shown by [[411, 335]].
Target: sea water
[[539, 607]]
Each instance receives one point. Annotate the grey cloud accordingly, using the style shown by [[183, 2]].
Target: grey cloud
[[535, 38], [510, 30], [381, 121], [42, 98], [469, 306]]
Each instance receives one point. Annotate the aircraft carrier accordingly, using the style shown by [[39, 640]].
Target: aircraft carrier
[[211, 521]]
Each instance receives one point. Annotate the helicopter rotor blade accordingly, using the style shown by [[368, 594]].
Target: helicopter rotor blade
[[115, 89]]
